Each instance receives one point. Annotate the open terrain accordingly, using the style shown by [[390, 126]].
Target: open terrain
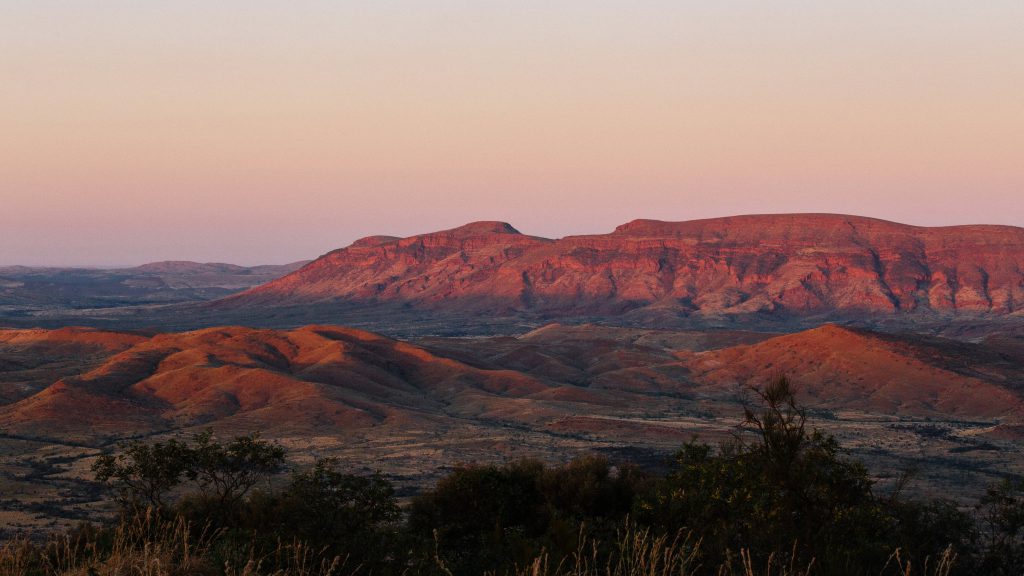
[[950, 410], [483, 344], [58, 296]]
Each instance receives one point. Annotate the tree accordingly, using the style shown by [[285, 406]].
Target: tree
[[345, 514], [231, 470], [814, 486], [143, 474], [780, 425], [480, 518], [1001, 514], [788, 490]]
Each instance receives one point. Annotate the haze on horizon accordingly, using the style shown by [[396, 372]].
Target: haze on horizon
[[266, 132]]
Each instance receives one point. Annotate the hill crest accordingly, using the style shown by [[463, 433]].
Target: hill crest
[[783, 265]]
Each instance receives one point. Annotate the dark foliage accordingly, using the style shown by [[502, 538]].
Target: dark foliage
[[1001, 519], [781, 491], [339, 514], [787, 493], [144, 475]]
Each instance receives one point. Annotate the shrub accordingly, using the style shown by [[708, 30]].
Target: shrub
[[480, 517], [229, 471], [788, 496], [1001, 512], [350, 516], [143, 475]]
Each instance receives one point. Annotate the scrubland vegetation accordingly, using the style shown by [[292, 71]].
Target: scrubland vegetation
[[780, 499]]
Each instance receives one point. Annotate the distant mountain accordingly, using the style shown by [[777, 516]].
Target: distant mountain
[[188, 268], [787, 266], [26, 291]]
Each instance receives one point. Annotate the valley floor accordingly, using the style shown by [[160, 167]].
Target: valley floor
[[949, 412]]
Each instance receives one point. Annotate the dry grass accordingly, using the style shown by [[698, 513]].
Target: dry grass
[[298, 559], [150, 546], [941, 566], [146, 546], [639, 553]]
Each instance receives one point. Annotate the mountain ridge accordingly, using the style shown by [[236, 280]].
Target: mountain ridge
[[778, 265]]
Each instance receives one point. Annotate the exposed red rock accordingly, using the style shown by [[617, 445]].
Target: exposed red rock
[[345, 379], [333, 377], [411, 407], [70, 340], [841, 368], [833, 367], [30, 360], [799, 264]]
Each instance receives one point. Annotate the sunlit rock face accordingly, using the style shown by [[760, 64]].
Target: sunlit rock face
[[791, 264]]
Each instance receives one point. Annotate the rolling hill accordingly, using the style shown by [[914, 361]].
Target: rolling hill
[[950, 409]]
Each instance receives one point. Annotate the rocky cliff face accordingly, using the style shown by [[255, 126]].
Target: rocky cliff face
[[796, 264]]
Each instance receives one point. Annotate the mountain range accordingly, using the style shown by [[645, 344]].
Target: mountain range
[[795, 264], [481, 344], [762, 272]]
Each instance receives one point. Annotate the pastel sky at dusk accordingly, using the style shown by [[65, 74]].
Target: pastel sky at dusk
[[268, 132]]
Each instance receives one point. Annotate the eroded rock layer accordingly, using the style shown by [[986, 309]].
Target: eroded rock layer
[[791, 264]]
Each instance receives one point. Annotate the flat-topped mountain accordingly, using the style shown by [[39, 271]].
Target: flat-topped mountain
[[785, 265]]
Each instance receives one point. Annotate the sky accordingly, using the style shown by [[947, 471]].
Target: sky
[[268, 132]]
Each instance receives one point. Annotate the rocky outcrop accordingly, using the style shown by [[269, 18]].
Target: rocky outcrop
[[789, 264]]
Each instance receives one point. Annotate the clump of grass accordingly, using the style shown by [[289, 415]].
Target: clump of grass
[[145, 545], [150, 545], [295, 559], [17, 557], [941, 566], [639, 552]]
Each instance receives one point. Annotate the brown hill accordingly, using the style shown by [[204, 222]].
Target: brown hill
[[187, 273], [340, 379], [783, 265], [834, 368], [841, 368], [66, 341], [594, 357], [953, 409], [329, 377], [30, 360]]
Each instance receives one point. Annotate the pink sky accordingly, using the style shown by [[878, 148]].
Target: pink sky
[[259, 132]]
